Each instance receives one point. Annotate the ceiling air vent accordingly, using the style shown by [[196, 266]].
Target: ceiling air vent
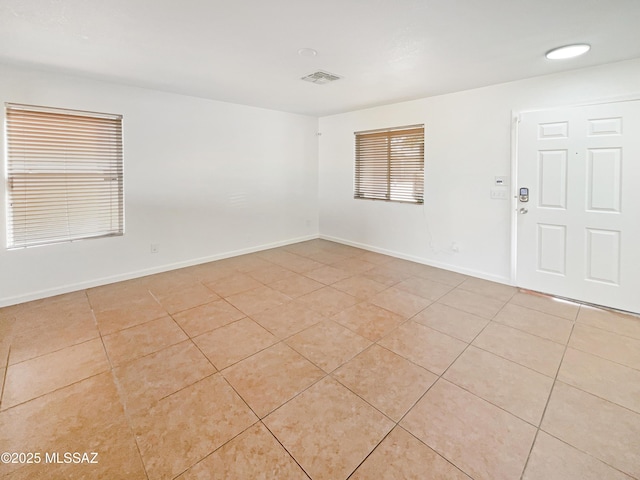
[[321, 77]]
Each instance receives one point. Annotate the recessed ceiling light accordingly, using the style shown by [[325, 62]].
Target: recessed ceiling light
[[307, 52], [568, 51]]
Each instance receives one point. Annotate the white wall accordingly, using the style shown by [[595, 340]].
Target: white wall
[[203, 179], [467, 143]]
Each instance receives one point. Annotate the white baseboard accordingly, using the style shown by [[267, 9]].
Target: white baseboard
[[73, 287], [444, 266]]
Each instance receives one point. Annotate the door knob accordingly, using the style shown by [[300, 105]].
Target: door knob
[[524, 211]]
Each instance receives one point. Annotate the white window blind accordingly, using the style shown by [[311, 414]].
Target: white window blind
[[64, 172], [389, 164]]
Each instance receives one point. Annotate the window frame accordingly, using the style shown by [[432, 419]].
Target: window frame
[[384, 157], [64, 173]]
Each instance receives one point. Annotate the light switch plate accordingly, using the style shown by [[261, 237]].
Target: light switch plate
[[499, 193]]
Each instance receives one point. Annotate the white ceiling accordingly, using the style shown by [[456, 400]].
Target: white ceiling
[[245, 51]]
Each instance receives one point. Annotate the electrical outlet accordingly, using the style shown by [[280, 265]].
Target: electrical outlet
[[155, 247]]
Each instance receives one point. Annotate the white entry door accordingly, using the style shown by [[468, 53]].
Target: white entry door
[[578, 235]]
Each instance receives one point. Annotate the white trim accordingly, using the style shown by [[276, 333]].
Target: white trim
[[411, 258], [587, 103], [514, 198], [73, 287]]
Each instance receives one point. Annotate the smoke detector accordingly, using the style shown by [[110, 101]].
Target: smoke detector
[[321, 77]]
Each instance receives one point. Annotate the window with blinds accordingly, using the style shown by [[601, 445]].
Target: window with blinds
[[390, 164], [64, 173]]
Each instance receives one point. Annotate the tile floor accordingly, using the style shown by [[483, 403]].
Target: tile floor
[[322, 361]]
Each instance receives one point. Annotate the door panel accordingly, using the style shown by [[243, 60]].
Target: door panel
[[578, 236]]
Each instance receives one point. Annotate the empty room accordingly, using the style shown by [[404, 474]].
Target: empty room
[[322, 241]]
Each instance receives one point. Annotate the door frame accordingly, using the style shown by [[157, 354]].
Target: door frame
[[515, 120]]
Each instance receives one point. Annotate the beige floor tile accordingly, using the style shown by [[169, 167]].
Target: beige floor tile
[[328, 429], [191, 421], [614, 347], [106, 296], [374, 257], [328, 301], [355, 266], [439, 275], [340, 248], [296, 286], [408, 267], [402, 456], [595, 426], [552, 459], [327, 275], [183, 428], [326, 257], [476, 436], [257, 300], [212, 272], [423, 287], [205, 318], [128, 314], [537, 353], [184, 298], [44, 374], [254, 454], [166, 283], [603, 378], [546, 304], [288, 319], [293, 262], [385, 380], [53, 310], [233, 284], [246, 263], [400, 302], [234, 342], [33, 342], [471, 302], [456, 323], [328, 345], [359, 286], [270, 378], [84, 417], [535, 322], [135, 342], [304, 248], [386, 275], [495, 290], [6, 338], [424, 346], [516, 389], [271, 274], [368, 320], [148, 379], [627, 325]]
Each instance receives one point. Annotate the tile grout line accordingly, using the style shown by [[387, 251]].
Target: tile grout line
[[331, 374], [609, 331], [285, 448], [119, 389], [441, 377], [546, 406], [4, 378]]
